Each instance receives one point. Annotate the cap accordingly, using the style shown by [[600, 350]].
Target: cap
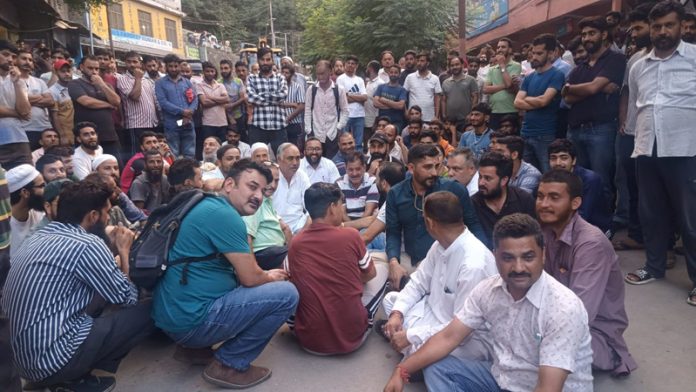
[[101, 159], [54, 187], [20, 176], [256, 146], [379, 137], [58, 64]]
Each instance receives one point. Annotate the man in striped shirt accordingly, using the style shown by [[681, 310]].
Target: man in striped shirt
[[359, 188], [51, 294], [138, 99], [294, 107]]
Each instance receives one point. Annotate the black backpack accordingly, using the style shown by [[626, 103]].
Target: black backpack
[[149, 254]]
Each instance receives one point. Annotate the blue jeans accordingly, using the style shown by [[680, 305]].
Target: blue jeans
[[356, 126], [182, 141], [453, 374], [245, 319], [379, 243], [595, 145], [536, 151]]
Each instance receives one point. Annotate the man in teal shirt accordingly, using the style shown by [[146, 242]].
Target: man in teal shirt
[[502, 83], [228, 298]]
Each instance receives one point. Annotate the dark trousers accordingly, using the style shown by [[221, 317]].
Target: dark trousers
[[9, 376], [207, 131], [34, 138], [330, 147], [111, 338], [134, 140], [275, 137], [15, 154], [271, 257], [494, 120], [628, 164], [562, 123], [667, 189], [296, 135]]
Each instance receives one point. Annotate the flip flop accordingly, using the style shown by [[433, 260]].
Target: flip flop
[[690, 301], [643, 277]]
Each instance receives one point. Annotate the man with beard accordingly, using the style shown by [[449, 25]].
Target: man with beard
[[14, 106], [326, 111], [502, 83], [151, 67], [49, 138], [359, 189], [356, 95], [405, 207], [524, 175], [424, 88], [236, 91], [372, 81], [580, 257], [89, 148], [106, 165], [346, 146], [26, 186], [211, 144], [390, 98], [178, 100], [294, 107], [184, 175], [415, 126], [689, 28], [227, 156], [460, 93], [473, 66], [266, 91], [479, 138], [268, 236], [39, 98], [577, 50], [150, 189], [378, 153], [461, 167], [137, 89], [495, 198], [134, 167], [666, 171], [397, 148], [214, 100], [51, 168], [63, 113], [60, 347], [288, 200], [94, 100], [50, 203], [539, 97], [259, 153], [592, 90], [317, 168], [409, 65], [234, 138], [228, 297]]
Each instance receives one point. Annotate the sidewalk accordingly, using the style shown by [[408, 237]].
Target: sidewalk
[[657, 310]]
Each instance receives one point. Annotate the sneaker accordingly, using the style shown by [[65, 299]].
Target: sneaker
[[86, 384], [218, 374], [194, 356]]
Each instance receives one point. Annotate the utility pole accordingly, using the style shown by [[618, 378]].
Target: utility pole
[[108, 27], [270, 11], [286, 44], [462, 27]]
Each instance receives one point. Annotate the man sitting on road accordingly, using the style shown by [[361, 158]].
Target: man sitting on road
[[462, 167], [288, 199], [317, 168], [524, 175], [358, 187]]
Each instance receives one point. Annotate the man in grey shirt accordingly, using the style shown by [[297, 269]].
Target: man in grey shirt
[[460, 92], [150, 189]]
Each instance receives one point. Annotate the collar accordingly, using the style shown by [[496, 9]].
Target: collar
[[456, 246], [567, 234], [330, 87], [535, 294], [679, 50], [423, 77]]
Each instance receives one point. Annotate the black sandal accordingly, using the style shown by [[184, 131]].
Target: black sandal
[[690, 301], [643, 277]]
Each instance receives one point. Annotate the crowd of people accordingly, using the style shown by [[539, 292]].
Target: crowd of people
[[477, 208]]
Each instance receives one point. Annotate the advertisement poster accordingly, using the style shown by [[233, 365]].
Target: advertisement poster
[[484, 15]]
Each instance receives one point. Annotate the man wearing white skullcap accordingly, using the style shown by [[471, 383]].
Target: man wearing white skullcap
[[26, 187], [107, 164], [259, 152]]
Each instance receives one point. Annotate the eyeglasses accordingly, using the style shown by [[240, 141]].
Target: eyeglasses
[[313, 149]]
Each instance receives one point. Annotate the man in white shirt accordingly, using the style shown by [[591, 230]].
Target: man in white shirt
[[455, 264], [233, 137], [372, 82], [288, 200], [462, 167], [318, 168], [539, 327], [326, 109], [89, 148], [39, 97], [26, 186], [424, 88], [356, 94]]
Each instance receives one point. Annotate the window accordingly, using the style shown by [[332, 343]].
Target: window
[[170, 30], [145, 21], [116, 16]]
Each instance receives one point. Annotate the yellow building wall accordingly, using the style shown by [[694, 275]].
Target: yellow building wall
[[131, 25]]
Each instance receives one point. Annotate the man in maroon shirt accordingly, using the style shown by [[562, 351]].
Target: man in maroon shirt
[[340, 287]]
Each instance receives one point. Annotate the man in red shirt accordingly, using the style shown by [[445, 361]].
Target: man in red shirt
[[340, 287]]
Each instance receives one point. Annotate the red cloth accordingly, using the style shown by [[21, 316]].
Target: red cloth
[[116, 113], [128, 174], [323, 260]]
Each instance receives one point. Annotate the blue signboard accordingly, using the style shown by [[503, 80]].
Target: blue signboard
[[484, 15]]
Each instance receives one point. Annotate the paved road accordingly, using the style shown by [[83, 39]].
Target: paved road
[[659, 337]]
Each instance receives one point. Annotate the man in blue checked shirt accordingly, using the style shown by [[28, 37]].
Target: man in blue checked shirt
[[266, 91]]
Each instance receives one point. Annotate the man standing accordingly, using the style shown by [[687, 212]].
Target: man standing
[[39, 98], [60, 346], [460, 93], [340, 286], [139, 102], [437, 290], [94, 100], [237, 93], [265, 93], [592, 91], [326, 111], [409, 65], [214, 100], [496, 198], [390, 98], [540, 97], [14, 106], [178, 100], [356, 95], [424, 88], [294, 107], [580, 257], [479, 138], [26, 187], [502, 83], [539, 326], [318, 168], [665, 149], [228, 297], [63, 113], [88, 149], [372, 81], [689, 28], [405, 207], [462, 167], [150, 189], [289, 197], [359, 189]]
